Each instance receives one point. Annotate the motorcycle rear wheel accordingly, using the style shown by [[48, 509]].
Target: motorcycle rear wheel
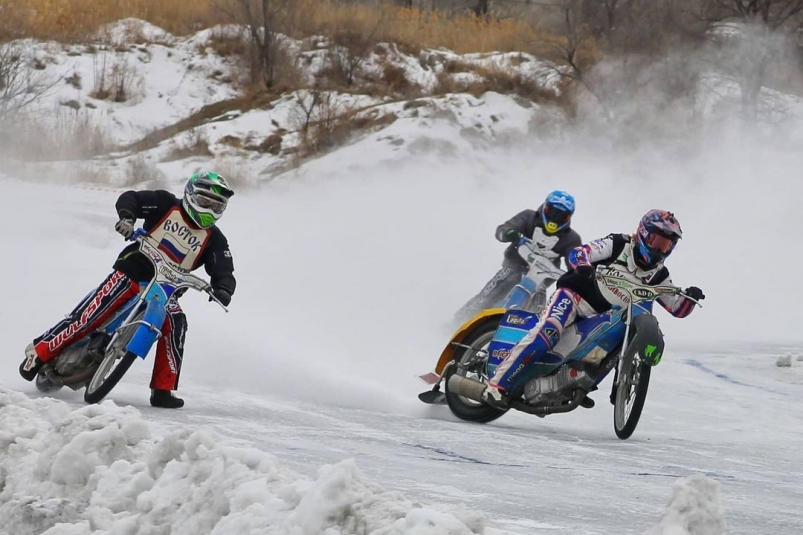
[[631, 392], [464, 408], [115, 363]]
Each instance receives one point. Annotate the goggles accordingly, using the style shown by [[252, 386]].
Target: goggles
[[659, 243], [210, 201], [553, 213]]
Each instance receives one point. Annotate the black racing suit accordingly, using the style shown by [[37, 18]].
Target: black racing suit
[[152, 207]]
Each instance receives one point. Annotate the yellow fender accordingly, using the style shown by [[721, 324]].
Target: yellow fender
[[463, 331]]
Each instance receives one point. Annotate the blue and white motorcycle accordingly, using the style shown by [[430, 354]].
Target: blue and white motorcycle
[[530, 293], [625, 339], [100, 359]]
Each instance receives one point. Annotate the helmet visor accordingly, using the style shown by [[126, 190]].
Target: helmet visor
[[210, 201], [659, 243], [556, 215]]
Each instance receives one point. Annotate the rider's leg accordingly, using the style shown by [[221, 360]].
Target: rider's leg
[[169, 356], [96, 308], [493, 291], [516, 369]]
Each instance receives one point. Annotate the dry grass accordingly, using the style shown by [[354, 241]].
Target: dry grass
[[412, 29], [144, 173], [193, 143], [67, 133], [234, 171], [75, 20], [322, 123]]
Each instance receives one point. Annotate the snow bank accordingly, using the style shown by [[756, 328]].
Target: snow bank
[[99, 470], [693, 510]]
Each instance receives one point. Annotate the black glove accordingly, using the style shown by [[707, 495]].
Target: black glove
[[125, 226], [221, 295], [586, 271], [695, 293], [512, 235]]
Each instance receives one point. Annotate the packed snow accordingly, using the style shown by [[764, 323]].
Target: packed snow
[[301, 413], [99, 469]]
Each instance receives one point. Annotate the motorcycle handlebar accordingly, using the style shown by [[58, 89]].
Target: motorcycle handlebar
[[140, 234], [670, 289]]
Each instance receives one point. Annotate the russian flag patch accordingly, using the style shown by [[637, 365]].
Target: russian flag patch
[[173, 251]]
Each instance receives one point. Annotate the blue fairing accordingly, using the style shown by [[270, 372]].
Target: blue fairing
[[154, 318], [605, 330], [521, 294], [514, 325]]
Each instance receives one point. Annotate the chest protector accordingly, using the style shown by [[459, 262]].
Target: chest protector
[[179, 240], [625, 265], [547, 242]]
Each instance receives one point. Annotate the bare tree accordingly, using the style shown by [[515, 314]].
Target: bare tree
[[351, 49], [571, 41], [259, 17], [20, 84], [762, 35], [774, 14], [482, 7]]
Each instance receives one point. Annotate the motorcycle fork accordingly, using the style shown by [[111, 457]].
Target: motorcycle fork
[[620, 360], [126, 323]]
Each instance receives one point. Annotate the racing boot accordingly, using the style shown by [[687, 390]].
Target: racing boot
[[31, 365], [165, 399], [495, 397], [587, 403]]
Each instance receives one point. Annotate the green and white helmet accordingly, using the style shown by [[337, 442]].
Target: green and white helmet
[[205, 198]]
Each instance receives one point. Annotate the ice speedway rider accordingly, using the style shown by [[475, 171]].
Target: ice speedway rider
[[187, 231], [577, 295], [549, 226]]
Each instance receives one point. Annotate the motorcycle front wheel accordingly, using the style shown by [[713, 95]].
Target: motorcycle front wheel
[[115, 363], [631, 392], [479, 340]]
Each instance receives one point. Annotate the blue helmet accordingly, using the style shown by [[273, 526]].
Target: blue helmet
[[557, 211]]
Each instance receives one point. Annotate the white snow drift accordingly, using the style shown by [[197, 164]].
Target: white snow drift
[[99, 470]]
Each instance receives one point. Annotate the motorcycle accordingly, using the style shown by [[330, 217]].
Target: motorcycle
[[626, 339], [100, 359], [530, 292]]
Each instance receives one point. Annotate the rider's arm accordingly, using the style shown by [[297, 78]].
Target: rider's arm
[[677, 305], [218, 262], [523, 222], [597, 251], [568, 241], [145, 203]]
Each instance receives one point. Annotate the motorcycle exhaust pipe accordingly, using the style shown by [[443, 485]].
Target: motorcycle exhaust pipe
[[468, 388]]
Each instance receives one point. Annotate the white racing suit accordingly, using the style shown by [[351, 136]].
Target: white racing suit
[[580, 297]]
